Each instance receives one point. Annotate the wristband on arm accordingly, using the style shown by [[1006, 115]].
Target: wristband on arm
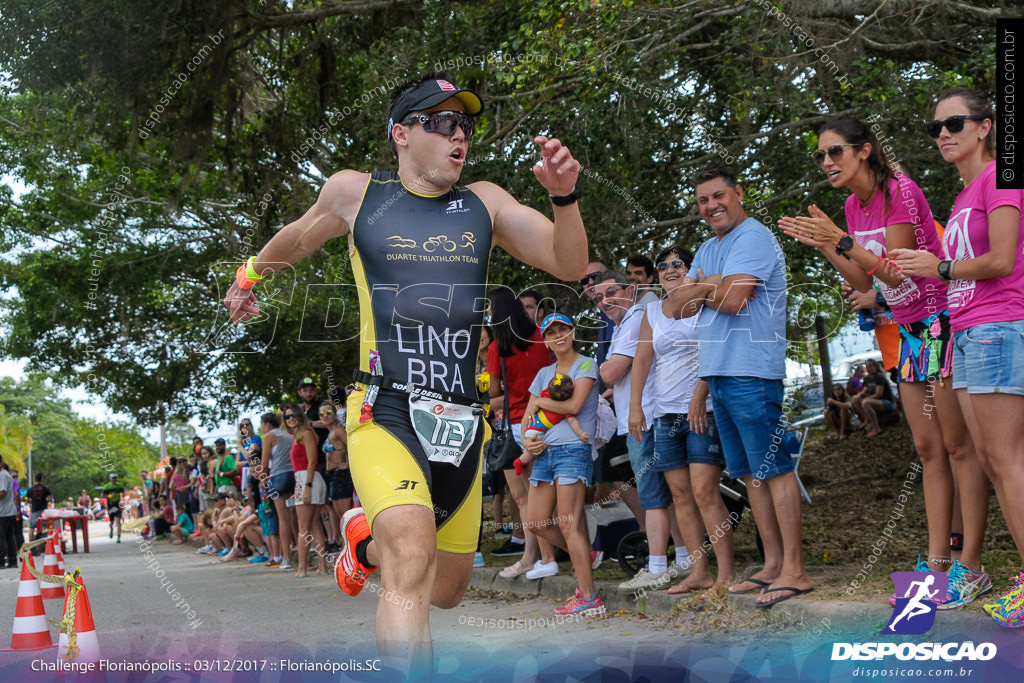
[[246, 275]]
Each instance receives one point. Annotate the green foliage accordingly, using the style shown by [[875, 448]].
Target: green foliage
[[72, 453], [156, 158]]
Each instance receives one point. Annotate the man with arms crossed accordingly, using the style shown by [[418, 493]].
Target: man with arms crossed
[[740, 295], [420, 245]]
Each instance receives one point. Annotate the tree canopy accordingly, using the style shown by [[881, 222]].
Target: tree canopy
[[73, 453], [160, 144]]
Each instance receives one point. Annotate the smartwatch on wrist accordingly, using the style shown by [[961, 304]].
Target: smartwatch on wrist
[[946, 270], [844, 244], [568, 199], [309, 484]]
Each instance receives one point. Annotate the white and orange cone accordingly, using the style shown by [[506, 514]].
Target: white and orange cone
[[58, 551], [86, 643], [29, 631], [51, 590]]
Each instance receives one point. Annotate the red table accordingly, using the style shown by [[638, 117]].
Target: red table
[[77, 520]]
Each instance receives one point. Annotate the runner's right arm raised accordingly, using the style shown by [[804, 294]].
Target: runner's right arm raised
[[331, 216]]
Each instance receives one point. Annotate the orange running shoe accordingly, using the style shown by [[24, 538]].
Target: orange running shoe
[[350, 573]]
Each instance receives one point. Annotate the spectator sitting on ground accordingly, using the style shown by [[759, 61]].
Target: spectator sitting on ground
[[208, 524], [227, 522], [838, 410], [164, 519], [876, 398], [247, 531], [856, 381], [182, 528]]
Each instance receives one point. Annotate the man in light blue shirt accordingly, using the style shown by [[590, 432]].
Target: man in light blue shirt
[[740, 295]]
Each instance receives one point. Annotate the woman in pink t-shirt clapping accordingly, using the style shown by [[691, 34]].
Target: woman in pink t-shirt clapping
[[985, 271], [886, 211]]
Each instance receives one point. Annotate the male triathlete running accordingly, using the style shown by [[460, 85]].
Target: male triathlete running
[[113, 490], [420, 246]]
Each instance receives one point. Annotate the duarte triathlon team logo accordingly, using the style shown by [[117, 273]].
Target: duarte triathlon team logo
[[914, 613]]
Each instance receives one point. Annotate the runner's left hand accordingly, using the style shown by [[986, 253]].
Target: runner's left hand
[[558, 171]]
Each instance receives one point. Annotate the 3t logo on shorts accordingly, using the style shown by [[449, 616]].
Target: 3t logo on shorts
[[406, 484]]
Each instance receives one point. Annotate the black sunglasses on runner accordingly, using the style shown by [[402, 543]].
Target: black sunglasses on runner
[[834, 153], [444, 122], [954, 124], [676, 263], [290, 416]]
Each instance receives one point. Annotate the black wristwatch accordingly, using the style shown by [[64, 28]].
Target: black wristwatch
[[844, 244], [568, 199], [309, 484], [945, 270]]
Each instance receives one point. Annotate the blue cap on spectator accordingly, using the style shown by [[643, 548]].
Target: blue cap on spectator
[[555, 318]]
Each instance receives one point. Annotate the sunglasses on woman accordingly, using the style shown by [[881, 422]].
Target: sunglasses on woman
[[675, 264], [443, 122], [327, 412], [835, 152], [954, 124], [290, 416]]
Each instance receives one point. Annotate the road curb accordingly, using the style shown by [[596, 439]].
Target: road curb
[[799, 612]]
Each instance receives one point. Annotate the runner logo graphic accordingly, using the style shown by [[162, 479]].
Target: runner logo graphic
[[914, 613]]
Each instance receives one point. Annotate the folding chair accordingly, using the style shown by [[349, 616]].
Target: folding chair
[[795, 441]]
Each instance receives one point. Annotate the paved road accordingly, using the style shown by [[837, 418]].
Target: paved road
[[238, 616], [242, 610]]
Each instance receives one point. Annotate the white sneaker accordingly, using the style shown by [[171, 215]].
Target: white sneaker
[[646, 581], [680, 571], [205, 550], [285, 565], [540, 570]]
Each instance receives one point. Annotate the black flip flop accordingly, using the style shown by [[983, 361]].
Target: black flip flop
[[761, 585], [793, 593]]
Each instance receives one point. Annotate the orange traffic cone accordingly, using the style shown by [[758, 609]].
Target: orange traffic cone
[[29, 631], [51, 590], [58, 551], [86, 643]]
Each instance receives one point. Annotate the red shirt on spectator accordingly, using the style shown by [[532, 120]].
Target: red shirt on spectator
[[521, 367]]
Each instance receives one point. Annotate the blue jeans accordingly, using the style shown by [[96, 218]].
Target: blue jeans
[[281, 486], [989, 358], [650, 483], [676, 446], [748, 412], [565, 464]]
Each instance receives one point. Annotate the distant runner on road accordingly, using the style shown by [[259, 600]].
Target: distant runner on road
[[113, 490]]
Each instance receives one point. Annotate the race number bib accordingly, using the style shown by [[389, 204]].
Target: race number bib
[[445, 430]]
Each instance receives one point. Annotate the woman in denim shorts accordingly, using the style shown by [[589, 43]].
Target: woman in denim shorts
[[985, 271], [686, 447], [887, 212], [562, 465]]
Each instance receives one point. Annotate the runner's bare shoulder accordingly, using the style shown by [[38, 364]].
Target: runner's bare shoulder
[[342, 194]]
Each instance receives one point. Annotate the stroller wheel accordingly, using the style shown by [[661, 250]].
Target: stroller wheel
[[632, 552]]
